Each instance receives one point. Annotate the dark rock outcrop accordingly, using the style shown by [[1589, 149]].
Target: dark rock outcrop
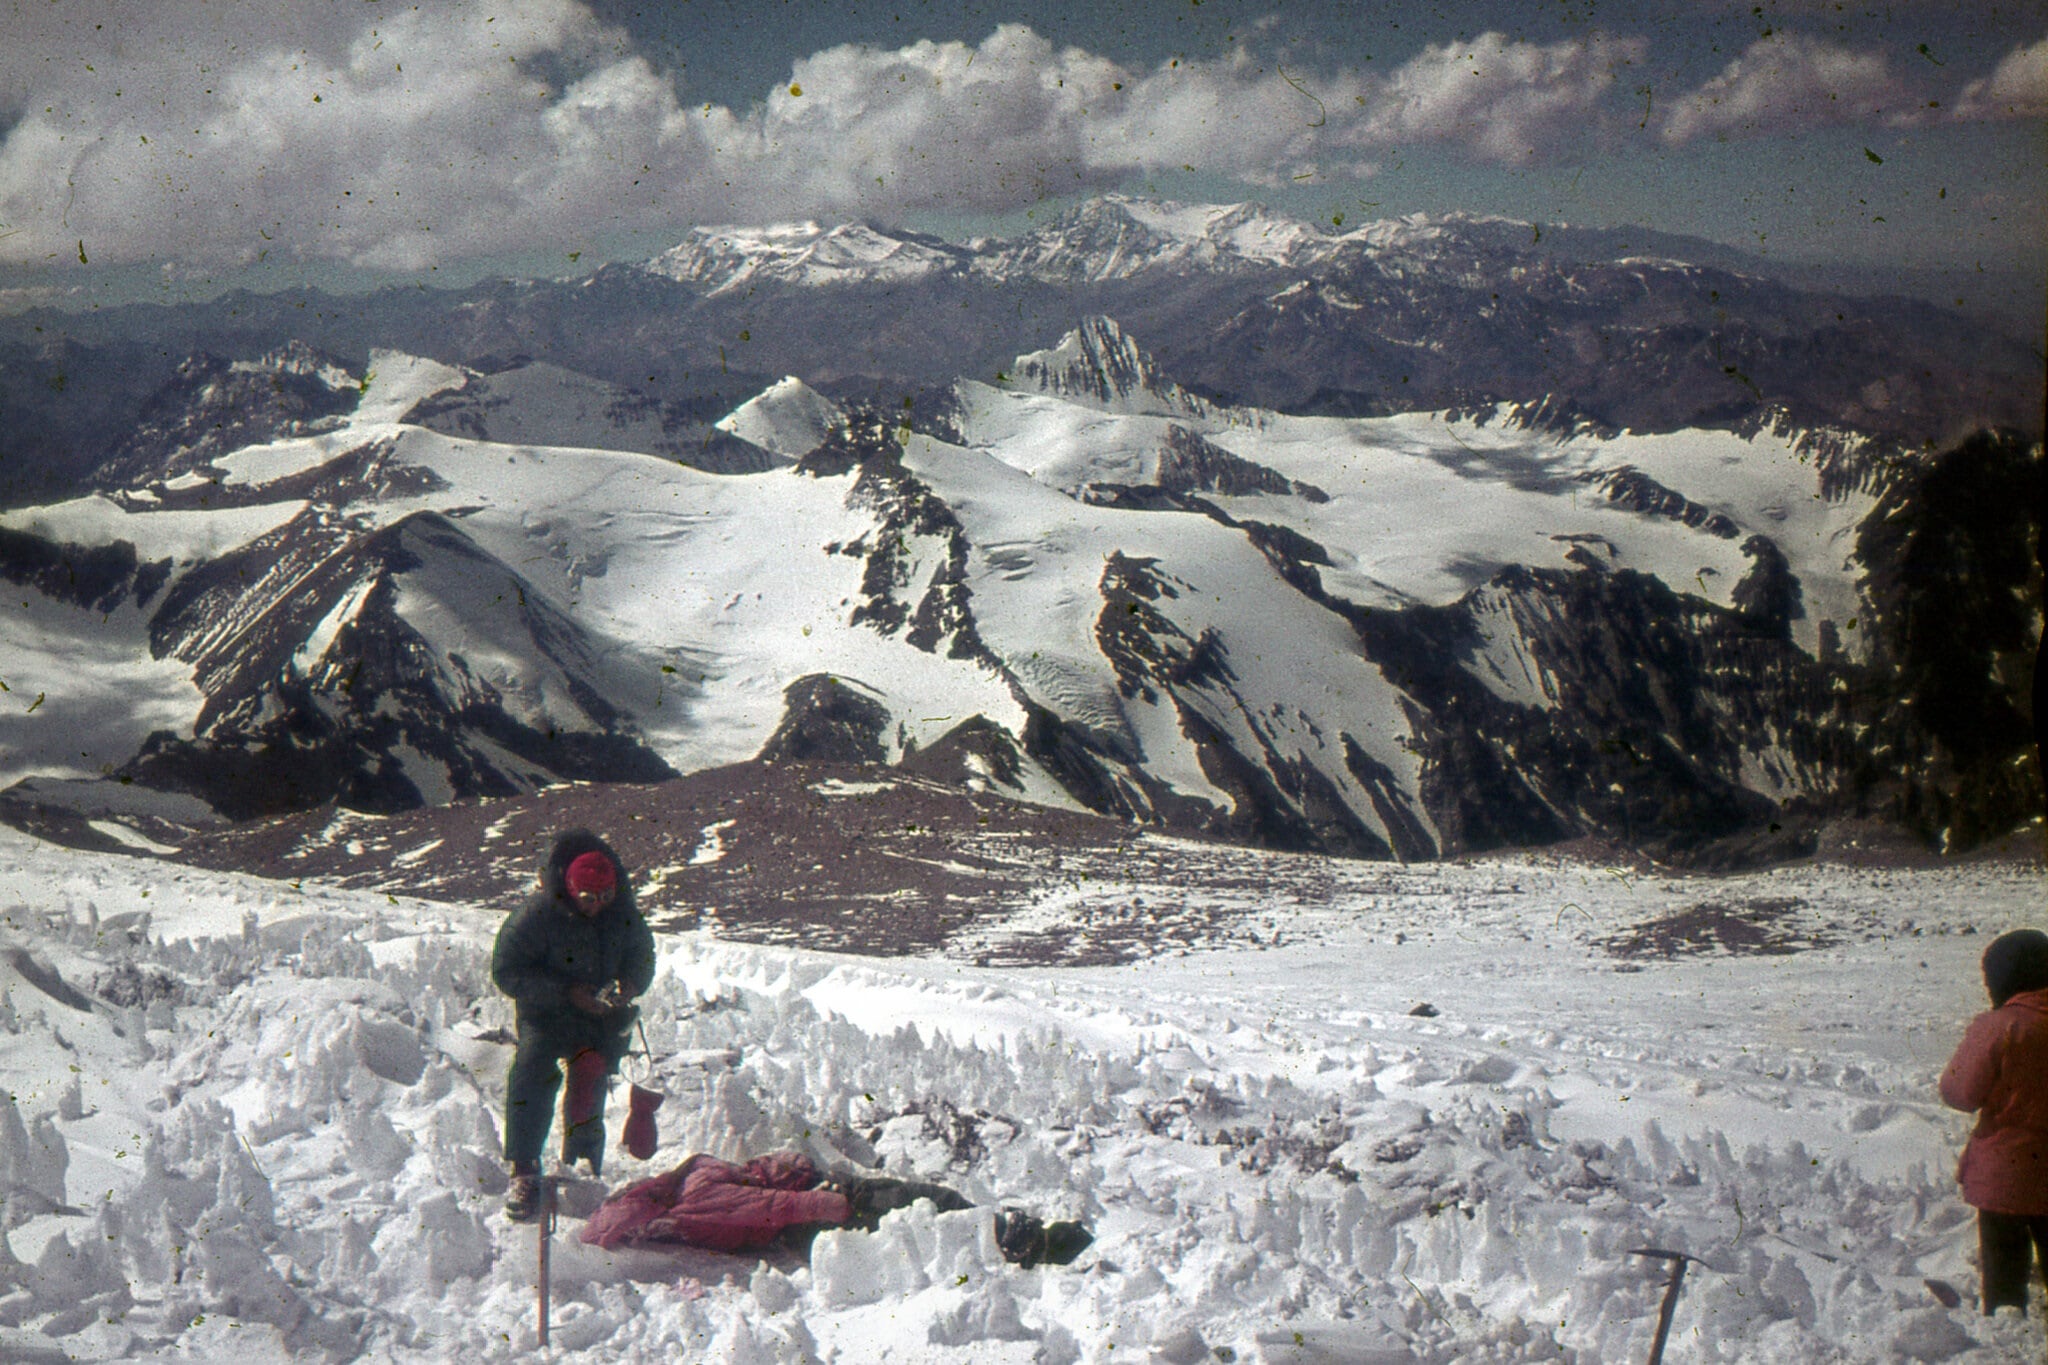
[[1951, 689], [213, 405], [375, 714], [828, 720]]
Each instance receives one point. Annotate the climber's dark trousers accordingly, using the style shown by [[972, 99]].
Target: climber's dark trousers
[[536, 1076], [2009, 1244]]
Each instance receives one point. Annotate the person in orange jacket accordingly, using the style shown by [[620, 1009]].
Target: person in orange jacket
[[2000, 1073]]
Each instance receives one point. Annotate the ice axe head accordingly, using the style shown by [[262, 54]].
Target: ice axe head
[[639, 1135]]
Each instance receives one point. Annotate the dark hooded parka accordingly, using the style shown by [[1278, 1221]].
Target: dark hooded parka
[[546, 949]]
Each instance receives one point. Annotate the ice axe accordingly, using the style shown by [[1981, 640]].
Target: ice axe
[[544, 1232], [1678, 1261]]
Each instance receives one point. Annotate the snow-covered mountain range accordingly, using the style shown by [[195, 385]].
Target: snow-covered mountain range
[[721, 260], [1075, 582], [1242, 305], [1112, 237]]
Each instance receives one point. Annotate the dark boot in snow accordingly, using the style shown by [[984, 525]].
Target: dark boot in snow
[[522, 1200], [868, 1197], [1027, 1240], [1020, 1236]]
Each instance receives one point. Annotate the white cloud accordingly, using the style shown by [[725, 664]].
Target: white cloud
[[928, 126], [1500, 100], [386, 140], [2016, 88], [396, 138], [1255, 121], [420, 136], [1508, 101], [1791, 83]]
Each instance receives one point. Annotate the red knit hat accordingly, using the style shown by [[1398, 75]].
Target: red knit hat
[[590, 872]]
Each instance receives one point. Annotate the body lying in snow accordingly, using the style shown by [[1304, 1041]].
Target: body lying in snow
[[781, 1197]]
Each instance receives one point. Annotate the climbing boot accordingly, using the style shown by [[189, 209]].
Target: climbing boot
[[522, 1199]]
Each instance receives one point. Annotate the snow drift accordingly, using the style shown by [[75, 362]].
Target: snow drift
[[258, 1121]]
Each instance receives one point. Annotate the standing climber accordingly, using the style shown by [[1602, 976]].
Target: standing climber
[[573, 959], [2000, 1074]]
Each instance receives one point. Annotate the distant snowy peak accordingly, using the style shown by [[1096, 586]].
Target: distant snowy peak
[[398, 383], [1109, 238], [1114, 238], [1099, 365], [1419, 231], [723, 259], [789, 418], [479, 684], [1249, 231]]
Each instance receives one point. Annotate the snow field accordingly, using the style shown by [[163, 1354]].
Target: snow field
[[183, 537], [251, 1121], [721, 575], [60, 720], [1036, 577], [789, 418], [1388, 477], [396, 383]]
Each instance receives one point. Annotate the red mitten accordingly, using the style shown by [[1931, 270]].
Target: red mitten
[[639, 1136]]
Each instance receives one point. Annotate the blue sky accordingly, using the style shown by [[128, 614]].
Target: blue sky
[[178, 149]]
